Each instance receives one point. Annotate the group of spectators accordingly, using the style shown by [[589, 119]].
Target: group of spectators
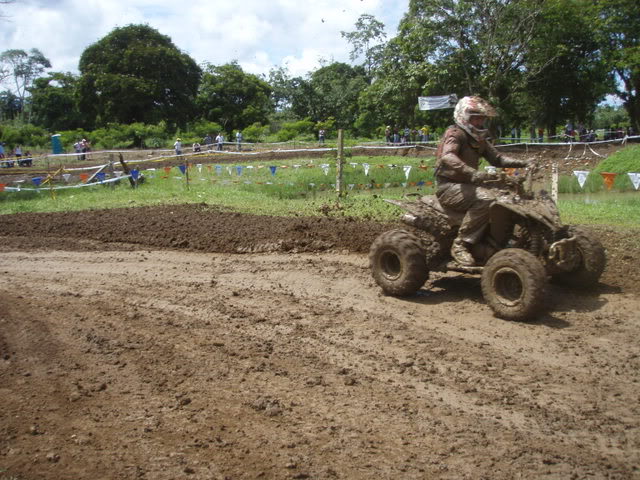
[[81, 147], [208, 142], [10, 157], [407, 135]]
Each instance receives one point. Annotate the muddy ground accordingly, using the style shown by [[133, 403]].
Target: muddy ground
[[188, 342]]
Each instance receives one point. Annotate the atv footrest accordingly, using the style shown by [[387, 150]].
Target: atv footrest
[[456, 267]]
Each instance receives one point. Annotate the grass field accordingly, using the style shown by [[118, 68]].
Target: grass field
[[300, 187]]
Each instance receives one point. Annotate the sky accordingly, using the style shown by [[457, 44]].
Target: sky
[[258, 34]]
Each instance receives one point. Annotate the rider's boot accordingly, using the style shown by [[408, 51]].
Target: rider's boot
[[461, 254]]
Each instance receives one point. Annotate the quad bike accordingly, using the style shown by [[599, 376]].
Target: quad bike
[[523, 244]]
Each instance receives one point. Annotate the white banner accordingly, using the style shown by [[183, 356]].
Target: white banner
[[635, 179], [581, 175], [438, 102], [407, 171]]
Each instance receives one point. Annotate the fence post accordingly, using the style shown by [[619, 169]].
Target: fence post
[[554, 181], [339, 163]]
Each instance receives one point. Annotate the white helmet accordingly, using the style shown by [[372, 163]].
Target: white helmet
[[466, 108]]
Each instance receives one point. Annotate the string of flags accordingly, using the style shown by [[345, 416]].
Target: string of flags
[[607, 177]]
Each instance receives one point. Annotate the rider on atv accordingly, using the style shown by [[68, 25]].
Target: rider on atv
[[461, 186]]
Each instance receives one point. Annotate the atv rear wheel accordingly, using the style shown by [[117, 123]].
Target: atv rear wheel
[[513, 284], [398, 263], [591, 264]]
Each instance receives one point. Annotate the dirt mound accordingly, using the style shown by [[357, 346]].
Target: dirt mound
[[205, 228]]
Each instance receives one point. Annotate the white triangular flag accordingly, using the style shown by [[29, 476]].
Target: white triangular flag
[[635, 179], [407, 170], [581, 175], [325, 168], [366, 168]]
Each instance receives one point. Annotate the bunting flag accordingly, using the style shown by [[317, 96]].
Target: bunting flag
[[273, 170], [167, 170], [37, 181], [135, 173], [218, 169], [366, 168], [229, 170], [84, 177], [66, 176], [407, 171], [635, 179], [101, 176], [183, 168], [608, 179], [2, 185], [239, 170], [581, 175], [119, 173], [199, 167], [325, 168]]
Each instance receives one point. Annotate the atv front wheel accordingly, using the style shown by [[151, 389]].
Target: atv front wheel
[[398, 263], [513, 284], [591, 264]]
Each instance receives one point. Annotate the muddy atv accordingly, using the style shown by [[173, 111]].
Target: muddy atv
[[523, 245]]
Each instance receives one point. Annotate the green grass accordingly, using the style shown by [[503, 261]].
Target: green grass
[[304, 190]]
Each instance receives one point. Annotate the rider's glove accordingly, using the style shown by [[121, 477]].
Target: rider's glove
[[508, 162], [481, 177]]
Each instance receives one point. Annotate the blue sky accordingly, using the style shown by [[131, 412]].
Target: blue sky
[[259, 34]]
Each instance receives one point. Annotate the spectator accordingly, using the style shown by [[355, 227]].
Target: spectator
[[220, 141], [387, 134], [196, 147], [239, 140], [540, 134], [208, 141], [178, 146], [321, 136], [85, 147], [27, 161]]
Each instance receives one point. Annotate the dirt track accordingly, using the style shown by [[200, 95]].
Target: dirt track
[[142, 344]]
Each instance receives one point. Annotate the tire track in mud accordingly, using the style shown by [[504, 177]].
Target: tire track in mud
[[295, 365]]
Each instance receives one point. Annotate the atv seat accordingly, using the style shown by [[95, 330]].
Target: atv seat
[[454, 217]]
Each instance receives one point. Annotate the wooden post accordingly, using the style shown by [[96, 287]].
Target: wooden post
[[339, 163], [554, 181], [125, 168]]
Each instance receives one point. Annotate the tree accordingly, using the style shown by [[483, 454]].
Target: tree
[[330, 91], [619, 32], [53, 102], [571, 77], [367, 41], [233, 98], [24, 68], [136, 74], [10, 105]]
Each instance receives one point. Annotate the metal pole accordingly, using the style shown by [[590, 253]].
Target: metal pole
[[339, 163]]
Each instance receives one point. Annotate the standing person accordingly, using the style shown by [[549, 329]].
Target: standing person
[[239, 140], [177, 146], [77, 147], [387, 134], [1, 150], [321, 136], [461, 186], [540, 134], [207, 141], [85, 147], [220, 141]]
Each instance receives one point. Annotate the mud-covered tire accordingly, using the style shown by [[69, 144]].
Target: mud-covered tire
[[514, 284], [398, 263], [593, 259]]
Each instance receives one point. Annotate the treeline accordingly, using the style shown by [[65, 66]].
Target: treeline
[[543, 64]]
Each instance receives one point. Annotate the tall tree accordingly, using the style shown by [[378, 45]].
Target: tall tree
[[10, 105], [136, 74], [233, 98], [620, 39], [367, 40], [330, 91], [24, 68], [53, 102]]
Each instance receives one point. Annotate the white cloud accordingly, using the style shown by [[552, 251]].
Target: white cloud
[[258, 34]]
